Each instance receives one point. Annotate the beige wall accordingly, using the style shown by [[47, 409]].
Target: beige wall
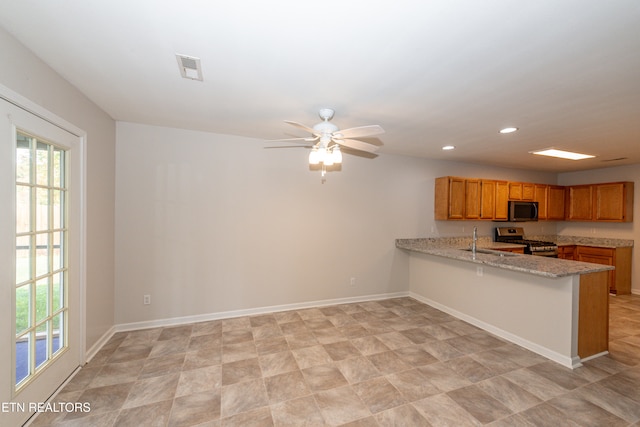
[[25, 74], [210, 223], [613, 230]]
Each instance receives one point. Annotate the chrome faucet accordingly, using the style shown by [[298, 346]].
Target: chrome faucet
[[474, 243]]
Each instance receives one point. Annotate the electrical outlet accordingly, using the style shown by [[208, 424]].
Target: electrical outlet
[[352, 282], [479, 271], [147, 300]]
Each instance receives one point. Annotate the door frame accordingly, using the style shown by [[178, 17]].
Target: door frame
[[27, 105]]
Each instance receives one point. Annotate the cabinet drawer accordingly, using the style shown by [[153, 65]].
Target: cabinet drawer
[[595, 251]]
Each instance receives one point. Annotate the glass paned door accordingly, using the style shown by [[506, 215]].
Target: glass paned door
[[41, 245], [41, 309]]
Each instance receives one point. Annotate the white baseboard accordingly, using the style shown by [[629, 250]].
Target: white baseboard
[[95, 348], [569, 362], [159, 323]]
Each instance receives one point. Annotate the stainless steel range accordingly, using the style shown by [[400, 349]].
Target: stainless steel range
[[532, 247]]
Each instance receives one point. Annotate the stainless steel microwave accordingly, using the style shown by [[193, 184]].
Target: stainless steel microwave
[[523, 211]]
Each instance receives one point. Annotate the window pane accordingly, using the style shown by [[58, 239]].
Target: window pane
[[42, 209], [23, 314], [23, 159], [58, 333], [42, 163], [42, 253], [42, 299], [58, 168], [56, 202], [23, 350], [23, 209], [23, 259], [58, 256], [41, 343], [58, 291]]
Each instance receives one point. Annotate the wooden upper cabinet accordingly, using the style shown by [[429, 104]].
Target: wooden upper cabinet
[[540, 194], [608, 202], [487, 199], [502, 200], [449, 200], [472, 199], [555, 202], [579, 201], [613, 202], [521, 191]]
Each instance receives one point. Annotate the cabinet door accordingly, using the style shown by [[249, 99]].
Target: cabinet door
[[540, 196], [449, 198], [597, 255], [472, 199], [580, 203], [487, 199], [555, 203], [528, 191], [611, 203], [456, 198], [566, 252], [515, 191], [502, 200]]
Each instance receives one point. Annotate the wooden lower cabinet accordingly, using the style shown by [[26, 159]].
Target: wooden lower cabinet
[[512, 250], [620, 278], [593, 315], [567, 252]]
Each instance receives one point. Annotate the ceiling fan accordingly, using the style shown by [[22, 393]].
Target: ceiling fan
[[327, 139]]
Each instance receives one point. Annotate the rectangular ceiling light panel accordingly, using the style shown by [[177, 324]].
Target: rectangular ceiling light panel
[[190, 67], [553, 152]]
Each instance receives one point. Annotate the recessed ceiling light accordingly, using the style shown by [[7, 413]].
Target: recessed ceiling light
[[508, 130], [448, 147], [552, 152]]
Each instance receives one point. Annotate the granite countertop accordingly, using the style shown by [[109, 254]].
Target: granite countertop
[[593, 241], [453, 248]]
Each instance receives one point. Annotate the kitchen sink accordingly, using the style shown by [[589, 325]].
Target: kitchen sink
[[490, 252]]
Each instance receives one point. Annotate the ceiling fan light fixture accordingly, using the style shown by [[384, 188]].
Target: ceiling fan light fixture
[[562, 154], [337, 154], [328, 160], [314, 157]]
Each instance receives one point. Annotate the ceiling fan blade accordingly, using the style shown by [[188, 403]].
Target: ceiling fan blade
[[302, 139], [359, 132], [289, 146], [303, 127], [357, 145]]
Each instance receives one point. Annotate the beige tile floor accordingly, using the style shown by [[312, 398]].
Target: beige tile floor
[[394, 362]]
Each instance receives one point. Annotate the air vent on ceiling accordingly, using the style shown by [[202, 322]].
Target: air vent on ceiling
[[189, 67]]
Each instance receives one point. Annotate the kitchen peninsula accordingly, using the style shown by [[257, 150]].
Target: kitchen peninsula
[[554, 307]]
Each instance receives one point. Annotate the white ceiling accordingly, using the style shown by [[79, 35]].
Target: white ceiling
[[430, 72]]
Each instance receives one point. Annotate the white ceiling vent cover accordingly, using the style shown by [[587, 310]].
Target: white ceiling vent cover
[[189, 67]]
